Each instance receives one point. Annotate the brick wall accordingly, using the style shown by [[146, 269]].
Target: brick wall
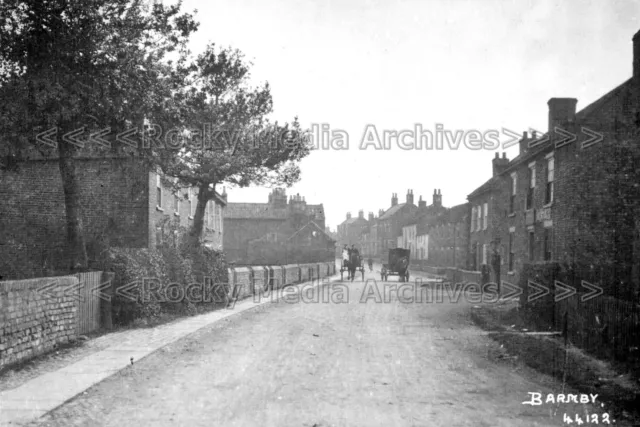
[[33, 323], [113, 201]]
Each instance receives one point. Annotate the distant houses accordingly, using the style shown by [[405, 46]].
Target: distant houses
[[280, 231]]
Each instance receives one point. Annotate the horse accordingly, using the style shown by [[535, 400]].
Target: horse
[[354, 263]]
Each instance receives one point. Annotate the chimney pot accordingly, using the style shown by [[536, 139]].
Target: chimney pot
[[504, 155], [497, 156]]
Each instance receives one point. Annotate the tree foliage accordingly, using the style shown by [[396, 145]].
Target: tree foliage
[[230, 139], [90, 65]]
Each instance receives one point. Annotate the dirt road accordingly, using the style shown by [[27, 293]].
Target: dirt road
[[325, 364]]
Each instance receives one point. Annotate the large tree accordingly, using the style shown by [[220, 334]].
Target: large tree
[[96, 64], [230, 138]]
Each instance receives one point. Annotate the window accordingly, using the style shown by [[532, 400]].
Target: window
[[550, 175], [474, 265], [514, 183], [192, 203], [547, 244], [214, 222], [479, 218], [511, 255], [532, 185], [484, 253], [486, 216], [531, 246], [159, 191]]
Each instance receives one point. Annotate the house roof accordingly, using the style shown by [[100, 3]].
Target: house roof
[[220, 199], [353, 220], [314, 225], [254, 210], [599, 104], [487, 186], [454, 214], [393, 210]]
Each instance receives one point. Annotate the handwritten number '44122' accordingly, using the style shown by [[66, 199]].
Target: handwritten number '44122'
[[589, 419]]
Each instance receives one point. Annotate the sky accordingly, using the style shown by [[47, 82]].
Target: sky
[[361, 68]]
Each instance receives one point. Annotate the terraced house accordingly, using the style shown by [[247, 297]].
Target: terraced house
[[570, 196]]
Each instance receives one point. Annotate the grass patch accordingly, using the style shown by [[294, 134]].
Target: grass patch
[[618, 389]]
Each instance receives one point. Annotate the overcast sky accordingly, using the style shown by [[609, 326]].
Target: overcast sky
[[464, 65]]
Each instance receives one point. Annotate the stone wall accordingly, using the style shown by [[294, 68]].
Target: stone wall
[[34, 318]]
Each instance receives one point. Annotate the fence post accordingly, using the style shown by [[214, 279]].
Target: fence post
[[106, 320]]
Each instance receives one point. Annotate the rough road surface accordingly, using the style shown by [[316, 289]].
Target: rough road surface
[[377, 363]]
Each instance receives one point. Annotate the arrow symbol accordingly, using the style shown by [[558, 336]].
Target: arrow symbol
[[515, 137], [123, 291], [43, 137], [97, 291], [48, 289], [73, 291], [541, 291], [96, 137], [567, 291], [515, 291], [594, 137], [71, 137], [124, 137], [594, 291], [567, 137], [537, 141]]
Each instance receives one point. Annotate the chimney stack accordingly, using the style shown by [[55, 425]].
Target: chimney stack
[[348, 215], [370, 216], [636, 58], [499, 164], [524, 142], [380, 212], [422, 203], [361, 214], [394, 199], [410, 197], [561, 112], [437, 198]]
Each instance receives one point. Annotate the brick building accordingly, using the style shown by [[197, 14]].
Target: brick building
[[122, 203], [368, 239], [560, 201], [351, 229], [448, 239], [308, 244], [415, 234], [388, 229], [246, 222]]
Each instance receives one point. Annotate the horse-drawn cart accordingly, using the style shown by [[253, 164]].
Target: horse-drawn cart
[[398, 265], [357, 261]]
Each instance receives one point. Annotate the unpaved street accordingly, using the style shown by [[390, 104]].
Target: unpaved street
[[324, 364]]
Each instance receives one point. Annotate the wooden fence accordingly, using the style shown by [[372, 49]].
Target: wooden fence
[[604, 326], [88, 314]]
